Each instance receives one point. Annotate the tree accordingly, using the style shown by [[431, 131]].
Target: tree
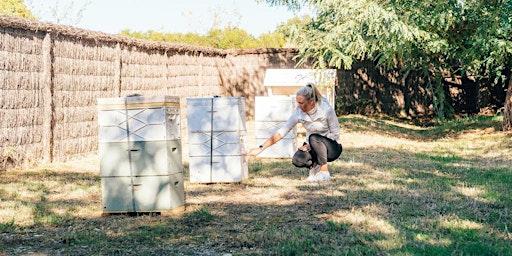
[[231, 38], [431, 36], [271, 40], [286, 29], [507, 116], [226, 38], [223, 33], [15, 8]]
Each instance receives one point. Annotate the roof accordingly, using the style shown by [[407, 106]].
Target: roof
[[299, 77]]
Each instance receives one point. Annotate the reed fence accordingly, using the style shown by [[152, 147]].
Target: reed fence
[[52, 75]]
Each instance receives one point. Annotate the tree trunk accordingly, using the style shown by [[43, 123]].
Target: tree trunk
[[507, 113]]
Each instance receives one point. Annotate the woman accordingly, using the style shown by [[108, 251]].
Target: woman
[[322, 134]]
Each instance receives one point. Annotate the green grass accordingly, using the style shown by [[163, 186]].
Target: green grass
[[398, 189]]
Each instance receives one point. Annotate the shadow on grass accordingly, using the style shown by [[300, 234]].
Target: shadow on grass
[[399, 204], [423, 211], [426, 132]]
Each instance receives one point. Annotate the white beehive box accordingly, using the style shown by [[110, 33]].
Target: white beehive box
[[216, 143], [139, 118], [142, 194], [140, 158], [216, 139], [274, 108], [140, 153], [218, 169], [216, 114], [271, 113]]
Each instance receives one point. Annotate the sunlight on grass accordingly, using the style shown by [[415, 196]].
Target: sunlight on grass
[[353, 163], [378, 186], [397, 189], [17, 210], [475, 193], [40, 196], [269, 190], [365, 222], [432, 239], [10, 211], [453, 222]]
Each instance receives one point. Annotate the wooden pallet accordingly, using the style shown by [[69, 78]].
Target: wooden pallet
[[176, 212]]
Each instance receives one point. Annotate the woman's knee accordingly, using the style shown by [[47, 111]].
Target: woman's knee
[[334, 153]]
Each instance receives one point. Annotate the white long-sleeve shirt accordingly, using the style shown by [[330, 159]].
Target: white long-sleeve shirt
[[323, 121]]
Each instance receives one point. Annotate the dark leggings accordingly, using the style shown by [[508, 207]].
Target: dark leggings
[[323, 150]]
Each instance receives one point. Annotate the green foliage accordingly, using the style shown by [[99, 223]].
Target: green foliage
[[433, 37], [292, 4], [226, 35], [201, 215], [290, 27], [15, 8], [7, 226], [226, 38], [152, 35], [397, 191], [271, 40], [230, 38]]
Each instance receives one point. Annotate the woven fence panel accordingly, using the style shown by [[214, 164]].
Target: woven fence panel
[[21, 98], [83, 72], [143, 72], [52, 75]]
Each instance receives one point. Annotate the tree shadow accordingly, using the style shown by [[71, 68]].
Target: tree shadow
[[419, 131], [380, 202]]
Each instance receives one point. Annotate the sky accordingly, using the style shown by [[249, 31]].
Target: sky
[[166, 16]]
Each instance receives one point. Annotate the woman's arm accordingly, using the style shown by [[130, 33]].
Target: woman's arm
[[285, 129], [269, 142]]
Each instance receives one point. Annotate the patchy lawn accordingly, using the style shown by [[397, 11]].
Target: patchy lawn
[[397, 189]]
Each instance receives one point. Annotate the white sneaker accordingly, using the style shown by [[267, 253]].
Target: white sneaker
[[320, 176], [313, 171]]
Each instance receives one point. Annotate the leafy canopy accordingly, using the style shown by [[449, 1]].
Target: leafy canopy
[[15, 8], [225, 38], [434, 37], [470, 34]]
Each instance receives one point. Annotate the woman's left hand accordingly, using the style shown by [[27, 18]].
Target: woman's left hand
[[305, 147]]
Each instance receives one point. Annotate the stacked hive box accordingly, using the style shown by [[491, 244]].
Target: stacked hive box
[[140, 154], [216, 137], [271, 113]]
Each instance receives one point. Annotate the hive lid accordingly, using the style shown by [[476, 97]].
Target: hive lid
[[299, 77], [130, 102]]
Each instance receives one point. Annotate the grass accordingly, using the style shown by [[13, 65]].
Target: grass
[[398, 189]]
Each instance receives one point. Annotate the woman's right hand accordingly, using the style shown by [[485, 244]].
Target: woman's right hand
[[253, 152]]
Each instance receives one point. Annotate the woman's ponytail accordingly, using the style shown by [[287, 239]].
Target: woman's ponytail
[[310, 91], [315, 93]]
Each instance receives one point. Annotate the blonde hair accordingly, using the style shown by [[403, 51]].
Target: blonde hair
[[310, 91]]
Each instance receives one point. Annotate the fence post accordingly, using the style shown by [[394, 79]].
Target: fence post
[[48, 101], [117, 72]]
